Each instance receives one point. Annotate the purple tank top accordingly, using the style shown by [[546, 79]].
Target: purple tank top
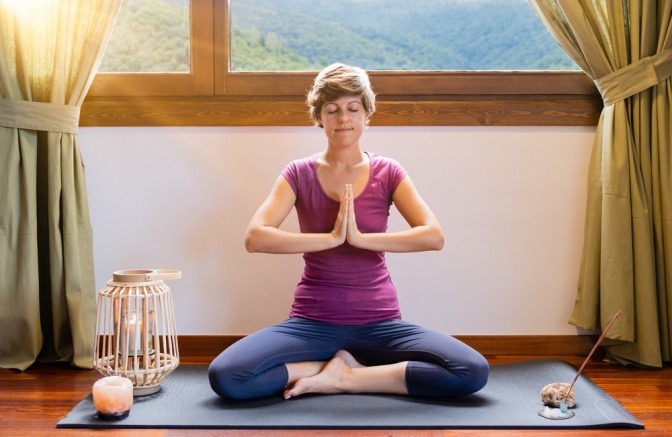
[[345, 285]]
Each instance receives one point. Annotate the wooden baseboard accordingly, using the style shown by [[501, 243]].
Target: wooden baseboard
[[488, 345]]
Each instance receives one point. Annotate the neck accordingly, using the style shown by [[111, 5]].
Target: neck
[[345, 158]]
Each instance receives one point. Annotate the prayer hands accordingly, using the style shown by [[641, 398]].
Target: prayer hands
[[345, 228]]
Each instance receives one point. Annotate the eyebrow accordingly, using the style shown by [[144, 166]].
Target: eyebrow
[[349, 102]]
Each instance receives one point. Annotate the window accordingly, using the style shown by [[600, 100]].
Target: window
[[211, 93], [123, 97], [149, 36], [425, 35]]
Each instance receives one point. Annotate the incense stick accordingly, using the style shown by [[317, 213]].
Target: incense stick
[[604, 333]]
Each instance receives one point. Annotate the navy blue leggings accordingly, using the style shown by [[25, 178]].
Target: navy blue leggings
[[438, 365]]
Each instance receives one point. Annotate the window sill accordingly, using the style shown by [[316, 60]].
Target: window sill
[[404, 99], [291, 111]]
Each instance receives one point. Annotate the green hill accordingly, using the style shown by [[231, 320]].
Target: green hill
[[149, 36], [272, 35], [399, 35]]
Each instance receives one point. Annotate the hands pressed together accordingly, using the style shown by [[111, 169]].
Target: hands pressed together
[[264, 233], [345, 228]]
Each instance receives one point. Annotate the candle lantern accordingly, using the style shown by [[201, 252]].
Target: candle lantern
[[135, 329]]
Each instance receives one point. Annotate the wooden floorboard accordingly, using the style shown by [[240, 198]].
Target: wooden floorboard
[[33, 401]]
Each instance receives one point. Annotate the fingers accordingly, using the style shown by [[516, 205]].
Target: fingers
[[351, 202], [341, 225], [350, 208], [345, 227], [353, 233], [347, 193], [346, 204]]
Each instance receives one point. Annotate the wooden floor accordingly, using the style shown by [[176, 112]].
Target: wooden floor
[[32, 402]]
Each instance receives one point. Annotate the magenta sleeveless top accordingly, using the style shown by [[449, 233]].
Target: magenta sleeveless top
[[345, 285]]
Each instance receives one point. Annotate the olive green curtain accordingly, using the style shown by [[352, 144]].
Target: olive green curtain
[[49, 53], [625, 46]]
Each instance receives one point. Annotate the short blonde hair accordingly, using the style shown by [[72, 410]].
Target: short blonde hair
[[335, 81]]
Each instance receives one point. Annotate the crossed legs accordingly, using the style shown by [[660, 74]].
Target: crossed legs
[[301, 356], [344, 374]]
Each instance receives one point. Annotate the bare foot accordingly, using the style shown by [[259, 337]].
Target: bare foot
[[303, 369], [329, 380]]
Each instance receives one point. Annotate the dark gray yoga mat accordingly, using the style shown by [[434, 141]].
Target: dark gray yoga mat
[[511, 399]]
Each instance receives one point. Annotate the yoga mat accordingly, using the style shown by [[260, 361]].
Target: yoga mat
[[511, 399]]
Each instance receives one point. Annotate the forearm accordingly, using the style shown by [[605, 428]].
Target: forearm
[[417, 239], [268, 239]]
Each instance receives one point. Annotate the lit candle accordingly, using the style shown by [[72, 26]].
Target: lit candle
[[113, 397], [134, 327]]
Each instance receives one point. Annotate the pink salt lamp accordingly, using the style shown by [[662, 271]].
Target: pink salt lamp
[[113, 397]]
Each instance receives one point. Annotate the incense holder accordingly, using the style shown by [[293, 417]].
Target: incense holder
[[554, 394]]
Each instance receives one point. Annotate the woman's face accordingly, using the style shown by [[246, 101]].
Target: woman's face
[[344, 120]]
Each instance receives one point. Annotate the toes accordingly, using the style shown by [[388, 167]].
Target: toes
[[297, 389]]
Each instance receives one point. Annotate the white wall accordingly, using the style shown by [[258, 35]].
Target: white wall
[[511, 200]]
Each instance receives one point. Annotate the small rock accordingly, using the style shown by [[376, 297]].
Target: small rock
[[555, 393]]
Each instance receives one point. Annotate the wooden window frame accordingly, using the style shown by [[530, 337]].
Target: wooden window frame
[[212, 95]]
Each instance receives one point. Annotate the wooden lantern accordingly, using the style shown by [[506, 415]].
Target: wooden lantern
[[135, 329]]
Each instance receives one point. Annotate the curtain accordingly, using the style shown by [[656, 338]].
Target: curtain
[[49, 53], [625, 46]]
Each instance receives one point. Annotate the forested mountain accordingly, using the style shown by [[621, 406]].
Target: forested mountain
[[272, 35], [394, 34], [149, 35]]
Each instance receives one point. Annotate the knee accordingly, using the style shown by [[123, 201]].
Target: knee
[[472, 375], [477, 374], [452, 379], [235, 378], [225, 381]]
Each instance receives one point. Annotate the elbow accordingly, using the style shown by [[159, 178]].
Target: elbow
[[437, 240], [260, 239], [249, 246], [429, 238], [250, 242]]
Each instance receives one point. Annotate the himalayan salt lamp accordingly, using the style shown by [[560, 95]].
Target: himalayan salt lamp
[[113, 397]]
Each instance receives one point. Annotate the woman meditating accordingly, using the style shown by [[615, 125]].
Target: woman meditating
[[345, 332]]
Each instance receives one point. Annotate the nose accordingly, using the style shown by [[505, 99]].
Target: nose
[[344, 116]]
